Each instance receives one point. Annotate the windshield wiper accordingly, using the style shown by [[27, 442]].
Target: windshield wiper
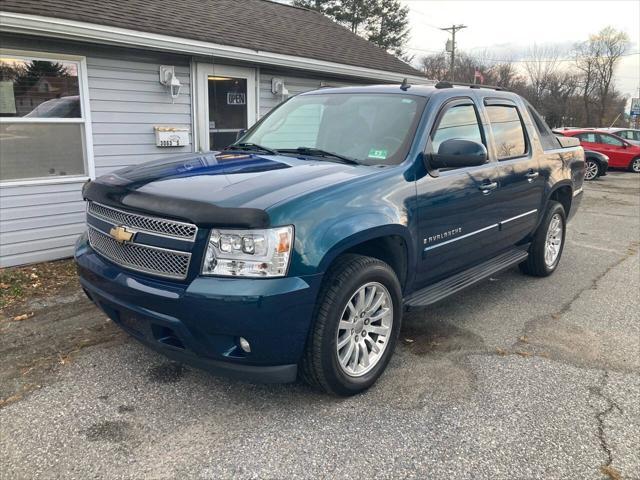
[[251, 147], [317, 152]]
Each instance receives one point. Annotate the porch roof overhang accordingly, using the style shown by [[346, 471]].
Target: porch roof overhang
[[95, 33]]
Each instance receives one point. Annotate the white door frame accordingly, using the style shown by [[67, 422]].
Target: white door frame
[[203, 72]]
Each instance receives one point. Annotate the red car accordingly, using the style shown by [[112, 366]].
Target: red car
[[621, 153]]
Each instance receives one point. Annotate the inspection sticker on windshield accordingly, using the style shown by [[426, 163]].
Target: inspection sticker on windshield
[[375, 153]]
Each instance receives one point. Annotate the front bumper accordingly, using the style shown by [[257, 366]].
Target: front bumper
[[200, 322]]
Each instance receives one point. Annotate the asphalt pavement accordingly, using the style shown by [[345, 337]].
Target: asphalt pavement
[[516, 378]]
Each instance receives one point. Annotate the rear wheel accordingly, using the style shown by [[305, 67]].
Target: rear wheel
[[548, 242], [634, 166], [592, 170], [357, 321]]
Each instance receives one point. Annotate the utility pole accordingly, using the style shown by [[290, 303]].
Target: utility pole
[[453, 29]]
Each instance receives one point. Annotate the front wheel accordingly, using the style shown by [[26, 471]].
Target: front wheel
[[356, 326], [592, 170], [548, 242], [634, 166]]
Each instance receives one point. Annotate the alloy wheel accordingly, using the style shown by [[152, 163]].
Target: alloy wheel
[[365, 329], [635, 166], [592, 170], [553, 240]]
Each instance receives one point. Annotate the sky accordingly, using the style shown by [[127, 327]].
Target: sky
[[506, 29]]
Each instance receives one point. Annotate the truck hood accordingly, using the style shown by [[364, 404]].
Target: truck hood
[[225, 180]]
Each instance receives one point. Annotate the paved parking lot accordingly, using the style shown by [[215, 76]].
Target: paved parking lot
[[516, 378]]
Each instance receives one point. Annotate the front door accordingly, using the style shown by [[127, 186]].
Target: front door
[[225, 105], [615, 149], [457, 215]]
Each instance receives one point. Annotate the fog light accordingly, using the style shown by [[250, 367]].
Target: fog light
[[244, 344]]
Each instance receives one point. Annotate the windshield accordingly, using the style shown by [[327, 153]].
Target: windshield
[[366, 127]]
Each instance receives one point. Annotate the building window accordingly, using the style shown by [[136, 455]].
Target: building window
[[42, 122]]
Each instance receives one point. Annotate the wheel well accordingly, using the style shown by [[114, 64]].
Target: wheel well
[[391, 249], [564, 196]]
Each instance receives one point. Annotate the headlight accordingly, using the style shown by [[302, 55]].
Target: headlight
[[249, 253]]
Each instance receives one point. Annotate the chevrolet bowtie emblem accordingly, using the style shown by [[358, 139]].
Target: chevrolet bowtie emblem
[[120, 234]]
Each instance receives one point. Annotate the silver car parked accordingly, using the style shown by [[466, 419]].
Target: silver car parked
[[631, 135]]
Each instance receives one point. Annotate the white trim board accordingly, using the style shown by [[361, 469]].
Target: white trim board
[[203, 72], [74, 30]]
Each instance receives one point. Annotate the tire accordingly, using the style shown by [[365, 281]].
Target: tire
[[634, 166], [323, 363], [592, 170], [537, 264]]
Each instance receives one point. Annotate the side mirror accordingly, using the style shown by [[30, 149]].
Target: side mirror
[[457, 153]]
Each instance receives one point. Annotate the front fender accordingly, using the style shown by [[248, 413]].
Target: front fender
[[352, 231]]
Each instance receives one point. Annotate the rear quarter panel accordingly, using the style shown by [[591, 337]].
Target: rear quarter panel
[[563, 167]]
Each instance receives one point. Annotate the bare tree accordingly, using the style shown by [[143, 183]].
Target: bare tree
[[504, 74], [597, 59], [586, 55], [435, 67], [466, 66], [613, 45], [540, 65], [561, 88]]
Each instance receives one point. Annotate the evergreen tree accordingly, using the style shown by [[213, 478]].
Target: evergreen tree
[[37, 69], [382, 22], [388, 26]]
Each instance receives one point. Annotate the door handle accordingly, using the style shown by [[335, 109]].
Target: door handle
[[531, 176], [487, 188]]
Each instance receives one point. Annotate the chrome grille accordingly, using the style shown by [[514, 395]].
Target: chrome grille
[[136, 221], [143, 258]]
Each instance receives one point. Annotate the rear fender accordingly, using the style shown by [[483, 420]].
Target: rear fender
[[551, 192]]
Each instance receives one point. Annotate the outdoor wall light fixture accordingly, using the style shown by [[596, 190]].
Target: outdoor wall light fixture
[[278, 88], [168, 78]]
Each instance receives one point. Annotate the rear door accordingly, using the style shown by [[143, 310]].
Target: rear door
[[457, 218], [521, 185], [590, 141]]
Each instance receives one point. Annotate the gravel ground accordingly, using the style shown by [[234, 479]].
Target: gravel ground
[[516, 378]]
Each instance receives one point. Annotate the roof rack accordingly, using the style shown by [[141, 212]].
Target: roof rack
[[446, 84]]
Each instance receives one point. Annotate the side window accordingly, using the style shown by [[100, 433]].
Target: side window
[[460, 122], [610, 140], [628, 134], [547, 138], [508, 131], [588, 137]]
